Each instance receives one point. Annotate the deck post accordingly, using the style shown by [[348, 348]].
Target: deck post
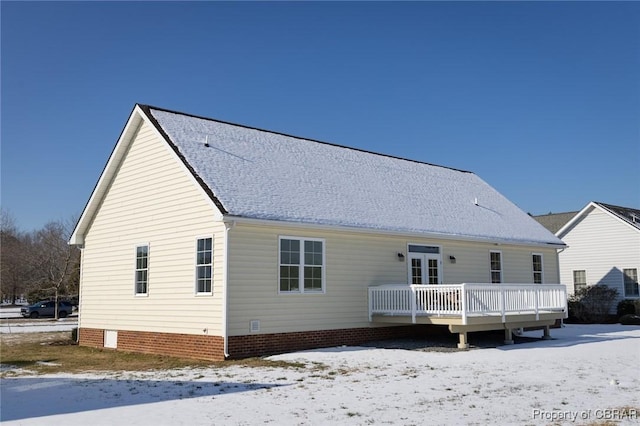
[[503, 303], [463, 302], [508, 336], [463, 344], [546, 335], [413, 303]]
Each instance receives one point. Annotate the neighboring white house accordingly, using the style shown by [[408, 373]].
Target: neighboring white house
[[214, 240], [603, 247]]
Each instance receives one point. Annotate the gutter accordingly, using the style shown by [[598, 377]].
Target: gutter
[[228, 225], [406, 234]]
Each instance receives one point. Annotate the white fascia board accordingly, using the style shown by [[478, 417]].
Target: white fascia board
[[110, 169], [128, 135], [560, 233], [406, 234]]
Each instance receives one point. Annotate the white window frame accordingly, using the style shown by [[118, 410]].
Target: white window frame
[[541, 272], [136, 270], [624, 287], [573, 274], [437, 254], [301, 265], [491, 270], [196, 265]]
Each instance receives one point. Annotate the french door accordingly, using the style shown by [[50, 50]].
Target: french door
[[425, 268]]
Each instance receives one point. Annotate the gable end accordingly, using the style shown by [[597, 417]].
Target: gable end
[[147, 111]]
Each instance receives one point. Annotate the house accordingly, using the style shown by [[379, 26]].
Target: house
[[554, 221], [603, 247], [208, 239]]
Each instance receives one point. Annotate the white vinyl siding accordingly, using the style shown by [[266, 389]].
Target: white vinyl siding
[[603, 246], [153, 199], [352, 263]]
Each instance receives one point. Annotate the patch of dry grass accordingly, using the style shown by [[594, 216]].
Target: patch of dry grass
[[43, 353]]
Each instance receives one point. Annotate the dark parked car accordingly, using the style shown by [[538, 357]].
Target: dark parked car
[[47, 309]]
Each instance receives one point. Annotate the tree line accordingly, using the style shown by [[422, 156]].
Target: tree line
[[38, 265]]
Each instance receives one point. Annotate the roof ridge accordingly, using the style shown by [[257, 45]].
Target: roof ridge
[[143, 106], [555, 214]]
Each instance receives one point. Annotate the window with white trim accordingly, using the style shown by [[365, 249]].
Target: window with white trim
[[495, 260], [536, 263], [301, 262], [631, 288], [204, 265], [579, 280], [142, 270]]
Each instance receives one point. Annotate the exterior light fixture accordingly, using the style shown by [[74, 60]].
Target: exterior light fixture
[[400, 257], [452, 259]]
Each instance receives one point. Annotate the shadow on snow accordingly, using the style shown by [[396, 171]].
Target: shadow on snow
[[29, 397]]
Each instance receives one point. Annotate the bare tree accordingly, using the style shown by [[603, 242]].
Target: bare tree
[[54, 263], [14, 269]]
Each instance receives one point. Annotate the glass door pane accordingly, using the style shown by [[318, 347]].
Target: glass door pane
[[416, 270], [433, 271]]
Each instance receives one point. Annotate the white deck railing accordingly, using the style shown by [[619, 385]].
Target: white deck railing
[[466, 300]]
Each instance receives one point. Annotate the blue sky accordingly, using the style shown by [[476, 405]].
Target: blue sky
[[540, 99]]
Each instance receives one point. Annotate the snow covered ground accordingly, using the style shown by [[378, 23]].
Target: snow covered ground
[[587, 374], [10, 312], [38, 326], [42, 326], [13, 322]]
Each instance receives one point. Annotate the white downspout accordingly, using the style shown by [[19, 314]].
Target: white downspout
[[80, 284], [225, 287]]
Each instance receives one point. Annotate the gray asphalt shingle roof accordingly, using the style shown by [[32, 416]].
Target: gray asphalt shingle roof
[[260, 174]]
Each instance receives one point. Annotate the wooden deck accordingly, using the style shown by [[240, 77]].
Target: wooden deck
[[470, 307]]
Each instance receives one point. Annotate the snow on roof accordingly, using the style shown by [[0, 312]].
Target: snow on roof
[[265, 175]]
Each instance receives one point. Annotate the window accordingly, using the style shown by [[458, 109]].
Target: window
[[301, 265], [142, 270], [631, 283], [579, 280], [495, 258], [537, 268], [414, 248], [204, 265]]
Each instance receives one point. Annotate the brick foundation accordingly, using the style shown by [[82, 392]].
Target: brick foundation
[[211, 347], [170, 344], [92, 337], [270, 344]]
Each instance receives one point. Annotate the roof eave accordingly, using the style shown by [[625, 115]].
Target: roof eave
[[139, 114], [379, 231]]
